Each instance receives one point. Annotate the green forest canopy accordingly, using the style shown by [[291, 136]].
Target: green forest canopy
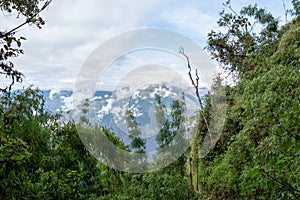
[[256, 157]]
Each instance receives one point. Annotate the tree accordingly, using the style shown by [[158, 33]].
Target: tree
[[10, 44], [172, 130], [241, 39], [137, 144], [165, 135], [42, 157]]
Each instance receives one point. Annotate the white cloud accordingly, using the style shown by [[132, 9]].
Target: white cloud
[[54, 54]]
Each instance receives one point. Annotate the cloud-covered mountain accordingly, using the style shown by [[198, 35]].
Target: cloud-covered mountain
[[108, 107]]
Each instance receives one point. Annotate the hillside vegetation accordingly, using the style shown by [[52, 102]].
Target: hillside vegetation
[[258, 153], [256, 157]]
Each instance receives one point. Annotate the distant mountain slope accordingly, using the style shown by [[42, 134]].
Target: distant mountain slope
[[109, 107]]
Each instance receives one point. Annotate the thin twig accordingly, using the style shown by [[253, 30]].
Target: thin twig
[[285, 11], [228, 5]]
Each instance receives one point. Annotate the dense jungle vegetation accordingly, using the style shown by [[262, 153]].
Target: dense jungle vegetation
[[256, 157]]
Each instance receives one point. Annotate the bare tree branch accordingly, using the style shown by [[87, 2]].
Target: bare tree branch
[[285, 11], [195, 83]]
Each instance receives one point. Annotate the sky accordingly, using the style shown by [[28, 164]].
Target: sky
[[55, 54]]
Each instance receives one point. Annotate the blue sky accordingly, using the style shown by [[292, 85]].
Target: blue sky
[[54, 55]]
